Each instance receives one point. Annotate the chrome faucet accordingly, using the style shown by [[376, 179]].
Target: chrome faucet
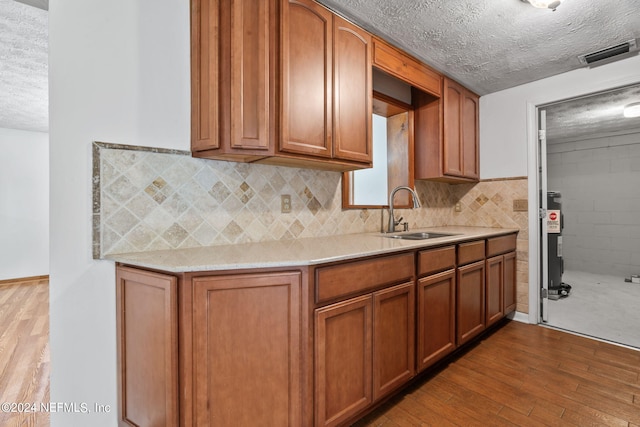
[[392, 220]]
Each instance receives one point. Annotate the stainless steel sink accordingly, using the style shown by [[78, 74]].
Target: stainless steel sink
[[421, 235]]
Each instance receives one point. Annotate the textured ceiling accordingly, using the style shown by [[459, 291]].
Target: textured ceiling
[[596, 114], [24, 96], [488, 45]]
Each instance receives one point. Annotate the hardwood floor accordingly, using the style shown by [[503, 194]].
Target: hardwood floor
[[524, 375], [520, 375], [24, 350]]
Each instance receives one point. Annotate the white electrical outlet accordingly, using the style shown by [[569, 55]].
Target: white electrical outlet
[[285, 203]]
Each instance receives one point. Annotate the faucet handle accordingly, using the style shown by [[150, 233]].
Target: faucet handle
[[397, 222]]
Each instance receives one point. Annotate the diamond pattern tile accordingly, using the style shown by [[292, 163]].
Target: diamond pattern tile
[[150, 201]]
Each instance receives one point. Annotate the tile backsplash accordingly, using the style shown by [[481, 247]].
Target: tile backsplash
[[149, 199]]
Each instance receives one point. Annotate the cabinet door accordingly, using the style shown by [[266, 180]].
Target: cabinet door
[[247, 349], [509, 282], [436, 317], [205, 42], [460, 143], [352, 95], [306, 78], [470, 135], [147, 325], [248, 79], [393, 338], [343, 360], [470, 301], [453, 161], [495, 289]]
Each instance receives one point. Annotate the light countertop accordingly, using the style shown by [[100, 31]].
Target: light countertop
[[296, 252]]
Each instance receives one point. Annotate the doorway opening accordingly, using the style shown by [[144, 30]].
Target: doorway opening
[[589, 168]]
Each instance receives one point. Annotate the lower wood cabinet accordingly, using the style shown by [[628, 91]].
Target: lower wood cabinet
[[147, 331], [247, 350], [393, 338], [364, 349], [509, 272], [501, 277], [501, 287], [436, 318], [306, 346], [495, 290], [470, 308]]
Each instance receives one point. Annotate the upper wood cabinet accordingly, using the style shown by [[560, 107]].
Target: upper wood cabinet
[[326, 84], [352, 92], [231, 78], [447, 147], [460, 145], [280, 82], [307, 77]]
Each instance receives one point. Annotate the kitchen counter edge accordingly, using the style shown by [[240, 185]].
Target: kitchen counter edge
[[296, 252]]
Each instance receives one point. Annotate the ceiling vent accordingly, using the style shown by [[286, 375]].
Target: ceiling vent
[[612, 53]]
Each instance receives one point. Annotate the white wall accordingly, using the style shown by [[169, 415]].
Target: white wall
[[504, 115], [119, 72], [508, 133], [24, 204], [598, 178]]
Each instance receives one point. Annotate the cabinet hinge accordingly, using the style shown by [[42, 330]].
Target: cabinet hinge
[[542, 134], [542, 213]]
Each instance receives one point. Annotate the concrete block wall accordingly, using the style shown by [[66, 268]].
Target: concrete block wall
[[599, 178]]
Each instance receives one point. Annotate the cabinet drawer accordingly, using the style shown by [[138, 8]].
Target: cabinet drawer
[[500, 245], [401, 65], [356, 277], [470, 252], [436, 260]]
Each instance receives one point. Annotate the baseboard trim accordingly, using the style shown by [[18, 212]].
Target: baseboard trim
[[22, 280], [519, 317]]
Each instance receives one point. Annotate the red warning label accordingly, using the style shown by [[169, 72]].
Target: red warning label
[[553, 221]]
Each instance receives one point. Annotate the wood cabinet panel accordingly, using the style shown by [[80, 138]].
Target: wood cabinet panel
[[146, 323], [436, 260], [393, 340], [307, 78], [470, 252], [436, 318], [359, 276], [450, 155], [404, 67], [452, 148], [470, 297], [343, 360], [470, 136], [429, 121], [205, 41], [352, 97], [247, 349], [509, 282], [500, 245], [249, 73], [494, 289]]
